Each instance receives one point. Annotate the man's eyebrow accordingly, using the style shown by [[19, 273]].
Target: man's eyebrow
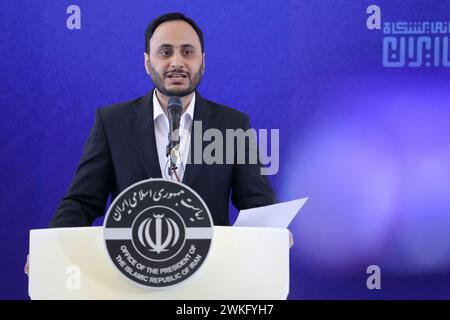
[[166, 45], [187, 46]]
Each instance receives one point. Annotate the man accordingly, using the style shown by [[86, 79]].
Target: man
[[128, 140]]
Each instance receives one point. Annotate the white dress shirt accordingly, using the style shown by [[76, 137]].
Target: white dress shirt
[[161, 123]]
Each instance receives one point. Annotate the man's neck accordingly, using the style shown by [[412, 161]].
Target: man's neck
[[164, 100]]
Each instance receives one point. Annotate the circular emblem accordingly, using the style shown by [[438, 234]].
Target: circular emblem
[[158, 232]]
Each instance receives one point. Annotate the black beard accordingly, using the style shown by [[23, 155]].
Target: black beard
[[158, 81]]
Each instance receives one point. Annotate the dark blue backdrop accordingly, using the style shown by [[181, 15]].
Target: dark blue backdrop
[[369, 144]]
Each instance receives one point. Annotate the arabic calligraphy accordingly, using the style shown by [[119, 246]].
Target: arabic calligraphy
[[416, 44]]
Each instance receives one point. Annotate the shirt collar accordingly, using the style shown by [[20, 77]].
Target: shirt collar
[[158, 110]]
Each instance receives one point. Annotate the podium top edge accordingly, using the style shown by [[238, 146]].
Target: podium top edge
[[92, 228]]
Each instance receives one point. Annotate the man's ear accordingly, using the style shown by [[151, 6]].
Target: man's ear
[[147, 62], [203, 63]]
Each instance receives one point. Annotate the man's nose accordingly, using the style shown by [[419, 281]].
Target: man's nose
[[177, 61]]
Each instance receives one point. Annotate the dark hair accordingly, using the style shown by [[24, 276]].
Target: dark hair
[[170, 17]]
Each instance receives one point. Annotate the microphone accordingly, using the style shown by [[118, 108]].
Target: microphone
[[174, 108]]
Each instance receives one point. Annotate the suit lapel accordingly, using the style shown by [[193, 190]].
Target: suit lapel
[[143, 130], [203, 111]]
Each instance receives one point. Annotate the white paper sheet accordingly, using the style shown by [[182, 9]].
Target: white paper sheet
[[277, 215]]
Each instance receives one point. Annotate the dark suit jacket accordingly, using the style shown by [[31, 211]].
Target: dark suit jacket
[[121, 150]]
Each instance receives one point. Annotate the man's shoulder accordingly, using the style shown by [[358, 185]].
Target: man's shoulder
[[222, 110], [124, 108]]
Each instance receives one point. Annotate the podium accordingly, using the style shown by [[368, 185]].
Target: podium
[[244, 263]]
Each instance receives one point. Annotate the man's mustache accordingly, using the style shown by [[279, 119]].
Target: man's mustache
[[176, 72]]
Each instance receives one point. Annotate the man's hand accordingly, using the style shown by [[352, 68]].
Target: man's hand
[[291, 239], [27, 265]]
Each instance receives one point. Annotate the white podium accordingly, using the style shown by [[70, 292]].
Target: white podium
[[243, 263]]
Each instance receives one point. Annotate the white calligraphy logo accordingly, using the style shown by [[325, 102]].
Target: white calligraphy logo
[[155, 224]]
